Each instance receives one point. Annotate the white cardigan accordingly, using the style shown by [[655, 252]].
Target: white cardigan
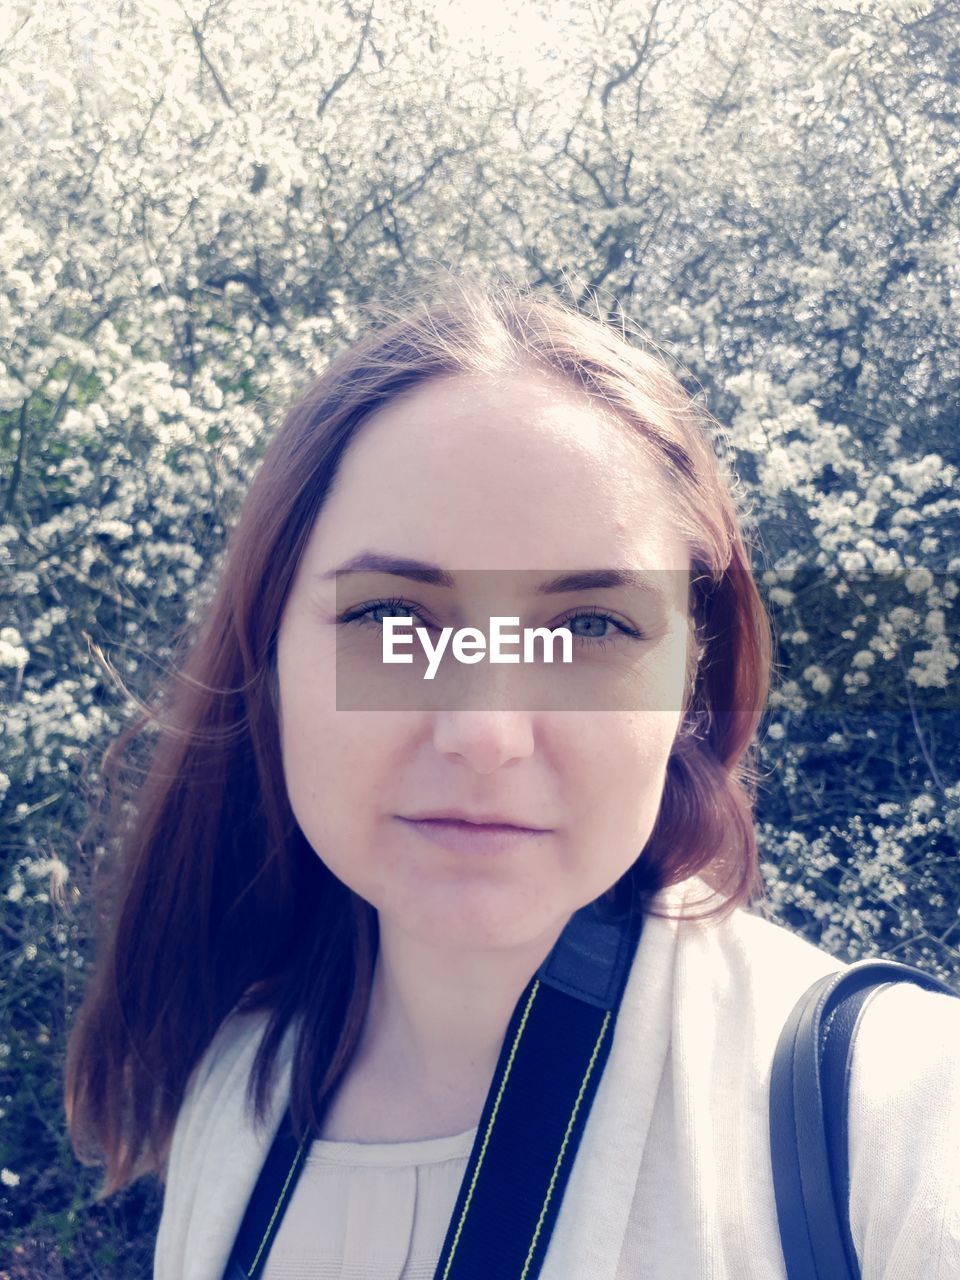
[[672, 1180]]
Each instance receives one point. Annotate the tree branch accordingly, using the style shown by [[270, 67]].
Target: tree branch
[[204, 58], [640, 51], [344, 76]]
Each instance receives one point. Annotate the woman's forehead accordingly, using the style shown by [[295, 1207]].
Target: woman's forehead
[[519, 404], [515, 472]]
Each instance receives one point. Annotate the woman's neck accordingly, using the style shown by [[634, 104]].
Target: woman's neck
[[436, 1020]]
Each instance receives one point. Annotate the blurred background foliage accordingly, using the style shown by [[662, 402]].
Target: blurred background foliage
[[199, 201]]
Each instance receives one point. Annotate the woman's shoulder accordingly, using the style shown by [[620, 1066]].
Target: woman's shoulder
[[902, 1018], [898, 1022], [754, 934], [233, 1045], [216, 1148], [745, 965], [906, 1069], [218, 1083], [737, 980], [751, 955], [906, 1035], [904, 1134]]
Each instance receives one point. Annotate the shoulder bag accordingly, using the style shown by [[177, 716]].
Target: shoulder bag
[[809, 1096]]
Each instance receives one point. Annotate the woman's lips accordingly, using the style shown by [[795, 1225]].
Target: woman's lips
[[469, 837]]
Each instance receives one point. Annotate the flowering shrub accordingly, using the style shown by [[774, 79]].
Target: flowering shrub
[[198, 204]]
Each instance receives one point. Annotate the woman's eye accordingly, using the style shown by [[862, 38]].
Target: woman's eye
[[591, 628], [399, 608], [597, 629]]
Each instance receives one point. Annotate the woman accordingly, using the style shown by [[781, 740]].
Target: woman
[[341, 877]]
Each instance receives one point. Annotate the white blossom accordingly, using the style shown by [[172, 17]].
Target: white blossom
[[818, 678]]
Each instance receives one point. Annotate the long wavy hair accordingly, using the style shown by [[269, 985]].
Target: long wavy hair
[[212, 900]]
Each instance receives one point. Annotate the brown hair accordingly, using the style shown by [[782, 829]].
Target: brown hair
[[217, 900]]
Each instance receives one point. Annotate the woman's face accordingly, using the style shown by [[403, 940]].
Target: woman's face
[[522, 474]]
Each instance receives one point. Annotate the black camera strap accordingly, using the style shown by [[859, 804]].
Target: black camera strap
[[552, 1058]]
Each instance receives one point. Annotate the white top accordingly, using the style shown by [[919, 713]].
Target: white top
[[672, 1180], [370, 1210]]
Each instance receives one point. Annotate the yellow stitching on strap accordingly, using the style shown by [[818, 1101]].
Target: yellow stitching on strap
[[486, 1136], [563, 1147], [276, 1207]]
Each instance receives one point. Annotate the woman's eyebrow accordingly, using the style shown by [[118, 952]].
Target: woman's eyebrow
[[433, 575], [399, 566]]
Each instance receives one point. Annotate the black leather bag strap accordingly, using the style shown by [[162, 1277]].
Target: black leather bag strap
[[809, 1094], [553, 1055]]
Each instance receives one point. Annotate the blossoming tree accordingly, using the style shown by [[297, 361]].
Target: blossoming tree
[[200, 197]]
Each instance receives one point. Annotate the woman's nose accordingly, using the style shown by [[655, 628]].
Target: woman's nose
[[485, 739]]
